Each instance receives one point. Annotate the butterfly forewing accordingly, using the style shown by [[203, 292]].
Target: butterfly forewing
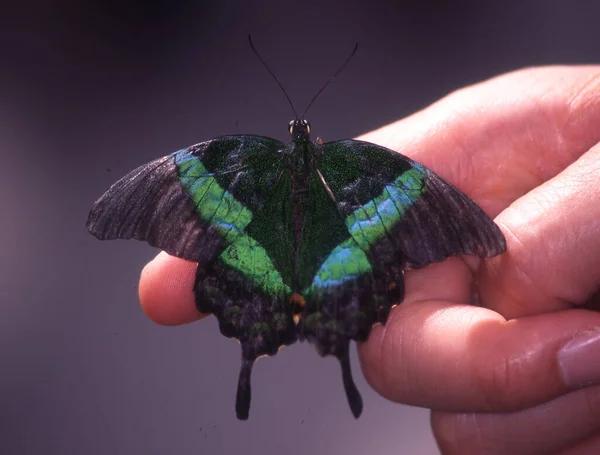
[[193, 202], [393, 204]]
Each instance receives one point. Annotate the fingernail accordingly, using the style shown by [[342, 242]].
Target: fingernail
[[579, 359]]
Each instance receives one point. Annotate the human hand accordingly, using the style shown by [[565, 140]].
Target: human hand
[[506, 377], [499, 377]]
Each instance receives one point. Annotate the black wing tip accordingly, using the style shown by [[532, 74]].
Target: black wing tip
[[90, 225], [97, 220], [496, 245]]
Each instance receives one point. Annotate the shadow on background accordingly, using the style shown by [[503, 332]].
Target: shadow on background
[[89, 90]]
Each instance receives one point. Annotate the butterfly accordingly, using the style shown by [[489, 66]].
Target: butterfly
[[304, 241]]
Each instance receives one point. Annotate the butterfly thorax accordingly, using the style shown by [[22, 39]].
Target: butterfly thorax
[[300, 150]]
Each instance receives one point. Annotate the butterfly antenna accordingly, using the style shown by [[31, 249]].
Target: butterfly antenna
[[272, 74], [331, 79]]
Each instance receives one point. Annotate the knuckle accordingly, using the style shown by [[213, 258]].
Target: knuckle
[[501, 383]]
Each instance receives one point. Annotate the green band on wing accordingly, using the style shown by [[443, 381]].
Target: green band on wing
[[346, 262], [252, 261], [371, 222], [214, 205]]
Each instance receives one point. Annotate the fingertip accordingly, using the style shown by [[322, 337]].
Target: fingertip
[[166, 290], [449, 431]]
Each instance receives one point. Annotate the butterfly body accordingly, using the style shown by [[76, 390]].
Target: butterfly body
[[304, 241]]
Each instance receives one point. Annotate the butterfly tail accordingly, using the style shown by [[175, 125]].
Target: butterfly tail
[[242, 401], [354, 398]]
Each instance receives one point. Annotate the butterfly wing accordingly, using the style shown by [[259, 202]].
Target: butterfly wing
[[391, 203], [396, 214], [225, 204], [193, 202]]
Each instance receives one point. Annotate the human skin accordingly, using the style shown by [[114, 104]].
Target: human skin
[[519, 373]]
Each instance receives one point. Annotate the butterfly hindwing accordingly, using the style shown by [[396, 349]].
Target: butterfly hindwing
[[248, 286], [344, 291]]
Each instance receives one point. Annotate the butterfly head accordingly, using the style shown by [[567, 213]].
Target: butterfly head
[[299, 130]]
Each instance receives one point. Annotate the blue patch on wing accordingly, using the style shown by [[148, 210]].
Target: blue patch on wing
[[346, 262], [374, 219]]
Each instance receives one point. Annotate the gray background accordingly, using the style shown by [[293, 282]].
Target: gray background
[[89, 90]]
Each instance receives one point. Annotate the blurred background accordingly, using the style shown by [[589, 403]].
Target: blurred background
[[90, 90]]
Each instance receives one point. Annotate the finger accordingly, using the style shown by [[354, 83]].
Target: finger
[[552, 234], [567, 422], [498, 139], [469, 359], [166, 290]]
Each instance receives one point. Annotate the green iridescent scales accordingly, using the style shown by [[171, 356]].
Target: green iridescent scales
[[305, 241]]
